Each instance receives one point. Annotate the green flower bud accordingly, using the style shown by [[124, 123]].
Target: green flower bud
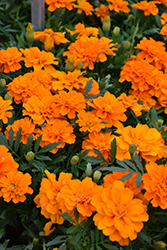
[[29, 34], [97, 175], [2, 82], [132, 148], [159, 245], [116, 31], [69, 66], [74, 160], [130, 17], [79, 65], [160, 122], [29, 156], [35, 241], [88, 170], [126, 45], [8, 97], [106, 24]]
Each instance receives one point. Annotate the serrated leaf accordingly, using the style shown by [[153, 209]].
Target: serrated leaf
[[97, 234], [76, 214], [126, 177], [130, 164], [3, 140], [98, 247], [92, 235], [109, 246], [11, 134], [136, 159], [138, 180], [59, 239], [85, 153], [37, 142], [91, 96], [88, 86], [77, 238], [63, 247], [113, 169], [42, 158], [17, 140], [99, 154], [28, 145], [66, 216], [122, 164], [113, 150], [48, 147], [93, 160]]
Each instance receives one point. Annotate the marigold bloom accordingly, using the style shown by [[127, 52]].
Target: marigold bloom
[[83, 5], [99, 141], [155, 184], [58, 131], [5, 109], [118, 5], [47, 228], [39, 59], [89, 50], [150, 145], [48, 193], [9, 60], [79, 194], [27, 129], [154, 52], [164, 2], [88, 121], [14, 186], [82, 30], [164, 30], [7, 163], [68, 103], [102, 11], [56, 4], [49, 38], [147, 7], [119, 215], [163, 19], [41, 109], [109, 109]]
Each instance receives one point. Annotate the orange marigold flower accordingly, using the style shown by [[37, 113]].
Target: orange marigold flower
[[7, 163], [68, 103], [82, 30], [56, 4], [58, 131], [21, 88], [99, 141], [109, 109], [119, 215], [163, 19], [47, 229], [147, 7], [155, 184], [48, 194], [41, 109], [88, 121], [154, 53], [89, 50], [49, 38], [149, 142], [102, 11], [79, 194], [164, 2], [14, 186], [5, 107], [84, 6], [39, 59], [27, 129], [118, 5], [164, 30], [9, 60]]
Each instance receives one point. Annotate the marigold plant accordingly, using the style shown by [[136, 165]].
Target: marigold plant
[[14, 186], [10, 60], [119, 215]]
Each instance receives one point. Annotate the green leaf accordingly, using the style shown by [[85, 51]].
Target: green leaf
[[85, 153], [59, 239], [28, 145], [48, 147], [92, 235], [97, 235], [122, 164], [131, 165], [126, 177], [91, 96], [37, 142], [11, 133], [3, 140], [77, 238], [66, 216], [99, 154], [88, 86], [136, 159], [113, 150], [98, 247], [138, 180], [43, 157], [109, 246], [113, 169], [63, 247], [143, 237], [93, 160], [76, 214], [17, 140]]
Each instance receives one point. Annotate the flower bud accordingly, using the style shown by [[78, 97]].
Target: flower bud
[[79, 65], [35, 241], [130, 17], [8, 97], [126, 45], [29, 34], [160, 122], [116, 31], [74, 160], [159, 245], [69, 65], [2, 82], [97, 175], [106, 24], [29, 156], [88, 170], [132, 148]]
